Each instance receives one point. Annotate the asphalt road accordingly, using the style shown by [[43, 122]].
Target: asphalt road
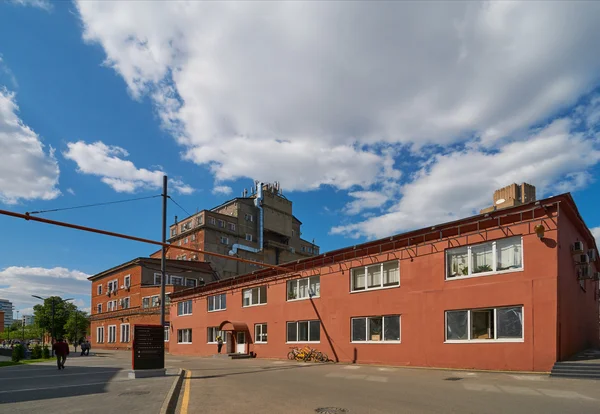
[[97, 384], [262, 386]]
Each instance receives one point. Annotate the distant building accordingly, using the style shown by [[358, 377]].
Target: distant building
[[28, 319], [511, 196], [6, 306], [259, 226]]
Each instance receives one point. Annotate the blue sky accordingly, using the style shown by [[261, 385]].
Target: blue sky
[[373, 124]]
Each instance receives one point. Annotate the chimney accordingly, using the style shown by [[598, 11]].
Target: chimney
[[510, 196]]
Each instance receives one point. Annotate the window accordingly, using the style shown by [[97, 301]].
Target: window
[[109, 306], [260, 333], [185, 241], [501, 324], [194, 237], [112, 333], [99, 289], [304, 288], [125, 303], [316, 250], [303, 248], [211, 220], [248, 237], [167, 299], [184, 308], [232, 226], [217, 302], [100, 334], [224, 240], [222, 224], [293, 233], [199, 221], [248, 217], [304, 331], [184, 336], [124, 332], [183, 257], [155, 301], [213, 333], [376, 276], [376, 329], [191, 282], [254, 296], [177, 280], [112, 286], [99, 308], [174, 232], [158, 278], [503, 255], [127, 281], [167, 333], [146, 302]]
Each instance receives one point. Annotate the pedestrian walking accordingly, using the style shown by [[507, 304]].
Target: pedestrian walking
[[219, 343], [61, 350], [88, 346]]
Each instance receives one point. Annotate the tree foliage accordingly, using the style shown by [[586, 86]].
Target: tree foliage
[[62, 310], [77, 326]]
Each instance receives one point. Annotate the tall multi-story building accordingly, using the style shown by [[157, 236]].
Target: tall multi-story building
[[6, 306], [28, 319], [511, 289], [129, 294], [258, 226]]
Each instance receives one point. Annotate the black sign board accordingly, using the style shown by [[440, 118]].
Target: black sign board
[[148, 347]]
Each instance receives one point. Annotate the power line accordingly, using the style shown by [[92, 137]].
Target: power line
[[176, 203], [93, 205]]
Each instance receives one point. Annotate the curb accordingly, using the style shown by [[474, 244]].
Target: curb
[[170, 402]]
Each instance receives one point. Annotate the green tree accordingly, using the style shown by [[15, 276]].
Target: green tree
[[77, 326], [62, 310]]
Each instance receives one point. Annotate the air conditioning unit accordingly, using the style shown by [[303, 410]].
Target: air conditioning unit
[[592, 255], [122, 286], [584, 273], [583, 259], [577, 247]]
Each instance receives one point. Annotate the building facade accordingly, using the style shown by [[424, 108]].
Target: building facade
[[28, 319], [259, 226], [1, 321], [513, 289], [129, 294], [7, 307]]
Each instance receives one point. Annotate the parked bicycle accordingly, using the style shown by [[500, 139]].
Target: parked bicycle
[[307, 354]]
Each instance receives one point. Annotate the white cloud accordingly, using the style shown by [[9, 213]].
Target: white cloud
[[596, 234], [460, 183], [27, 171], [365, 200], [40, 4], [19, 283], [71, 191], [222, 189], [122, 175]]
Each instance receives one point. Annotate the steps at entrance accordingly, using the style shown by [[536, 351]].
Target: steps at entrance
[[240, 356], [585, 365]]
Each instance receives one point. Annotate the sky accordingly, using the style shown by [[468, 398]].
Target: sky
[[376, 118]]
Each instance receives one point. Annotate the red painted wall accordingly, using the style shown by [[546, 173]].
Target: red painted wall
[[578, 307], [422, 298]]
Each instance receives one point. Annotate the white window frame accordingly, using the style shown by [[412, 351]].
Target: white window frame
[[174, 232], [149, 302], [192, 279], [180, 278], [127, 281], [259, 296], [381, 286], [303, 248], [184, 308], [125, 333], [258, 336], [383, 341], [194, 237], [153, 299], [99, 308], [109, 306], [213, 299], [231, 226], [248, 217], [128, 300], [186, 240], [100, 334], [213, 332], [494, 260], [212, 220], [248, 237], [221, 224], [470, 328], [297, 282], [180, 334], [157, 276], [224, 240], [99, 289], [113, 329], [167, 334], [298, 329]]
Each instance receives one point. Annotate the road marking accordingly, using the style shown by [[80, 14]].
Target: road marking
[[186, 393], [471, 374], [62, 386], [529, 377], [565, 394], [62, 375], [518, 390], [480, 387], [351, 367], [387, 369], [375, 378]]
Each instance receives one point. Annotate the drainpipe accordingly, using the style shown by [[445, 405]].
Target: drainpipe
[[258, 203]]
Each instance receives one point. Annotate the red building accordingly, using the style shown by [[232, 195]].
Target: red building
[[512, 289], [1, 321], [129, 294]]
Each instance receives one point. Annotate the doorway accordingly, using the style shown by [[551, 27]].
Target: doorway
[[241, 343]]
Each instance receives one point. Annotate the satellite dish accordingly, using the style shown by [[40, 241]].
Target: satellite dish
[[500, 201]]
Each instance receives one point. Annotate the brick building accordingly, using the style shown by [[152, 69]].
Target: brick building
[[1, 321], [129, 294], [259, 226], [511, 289]]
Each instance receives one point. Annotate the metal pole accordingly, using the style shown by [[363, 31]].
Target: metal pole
[[163, 261], [52, 343], [76, 338], [23, 328]]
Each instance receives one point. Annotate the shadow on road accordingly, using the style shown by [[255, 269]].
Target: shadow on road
[[254, 371], [37, 382]]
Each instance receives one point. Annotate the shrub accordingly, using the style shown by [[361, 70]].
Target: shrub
[[18, 353], [36, 352], [46, 352]]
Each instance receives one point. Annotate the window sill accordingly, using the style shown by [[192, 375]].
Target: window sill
[[307, 298], [484, 341], [250, 306], [260, 343], [185, 314], [375, 342], [372, 289], [304, 342], [483, 274], [215, 343], [218, 310], [184, 343]]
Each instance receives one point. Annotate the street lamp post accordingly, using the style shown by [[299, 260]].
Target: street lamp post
[[51, 301], [23, 328]]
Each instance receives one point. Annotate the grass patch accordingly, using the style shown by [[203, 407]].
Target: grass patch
[[22, 362]]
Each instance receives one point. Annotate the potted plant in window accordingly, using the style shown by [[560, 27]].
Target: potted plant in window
[[376, 333], [465, 270], [484, 268], [291, 295]]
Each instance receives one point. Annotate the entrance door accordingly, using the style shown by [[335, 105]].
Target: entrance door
[[241, 343], [229, 344]]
